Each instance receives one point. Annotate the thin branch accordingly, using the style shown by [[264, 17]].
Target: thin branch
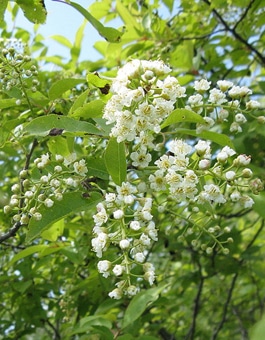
[[244, 14], [228, 299], [236, 35], [191, 332], [232, 286], [13, 230]]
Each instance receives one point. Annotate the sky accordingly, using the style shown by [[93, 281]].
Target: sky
[[64, 20]]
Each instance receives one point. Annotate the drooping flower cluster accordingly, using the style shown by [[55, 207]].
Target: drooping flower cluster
[[56, 177], [124, 220]]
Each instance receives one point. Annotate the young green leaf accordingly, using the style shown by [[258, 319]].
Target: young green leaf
[[115, 160], [3, 5], [72, 202], [90, 110]]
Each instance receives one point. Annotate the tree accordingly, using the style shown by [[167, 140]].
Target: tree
[[132, 187]]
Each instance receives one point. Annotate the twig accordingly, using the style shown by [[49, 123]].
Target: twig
[[236, 35], [191, 332]]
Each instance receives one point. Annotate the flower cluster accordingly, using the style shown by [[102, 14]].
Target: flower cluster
[[189, 177], [15, 66], [61, 175], [141, 101], [124, 220]]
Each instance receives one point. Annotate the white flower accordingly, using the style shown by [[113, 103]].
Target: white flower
[[110, 197], [101, 216], [235, 196], [235, 127], [29, 194], [157, 181], [202, 85], [80, 167], [217, 97], [224, 85], [178, 147], [118, 214], [132, 290], [252, 104], [69, 159], [99, 243], [118, 270], [150, 277], [204, 164], [135, 225], [230, 175], [240, 118], [212, 193], [58, 168], [145, 240], [48, 203], [141, 158], [104, 267], [242, 160], [124, 244], [246, 201], [116, 294], [139, 257], [203, 148]]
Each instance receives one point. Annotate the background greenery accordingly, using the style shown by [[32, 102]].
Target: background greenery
[[50, 287]]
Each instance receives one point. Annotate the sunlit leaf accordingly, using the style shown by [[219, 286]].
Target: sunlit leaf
[[42, 126], [115, 161], [63, 85], [3, 5], [34, 10], [71, 203], [108, 33], [90, 110]]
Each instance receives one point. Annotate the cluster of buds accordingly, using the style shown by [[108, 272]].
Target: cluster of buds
[[61, 175], [16, 67]]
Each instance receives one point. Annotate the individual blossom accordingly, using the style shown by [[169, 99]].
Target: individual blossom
[[202, 85], [224, 85], [104, 268], [80, 167], [217, 97]]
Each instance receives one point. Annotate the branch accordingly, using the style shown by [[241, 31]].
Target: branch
[[244, 14], [236, 35], [232, 286], [13, 230], [228, 299], [191, 332]]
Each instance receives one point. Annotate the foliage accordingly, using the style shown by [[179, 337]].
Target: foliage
[[131, 195]]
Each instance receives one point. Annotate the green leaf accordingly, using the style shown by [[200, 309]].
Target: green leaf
[[96, 167], [88, 322], [28, 251], [54, 231], [34, 10], [63, 85], [3, 5], [62, 40], [5, 103], [42, 126], [259, 204], [71, 203], [258, 331], [90, 110], [139, 304], [5, 130], [182, 116], [115, 160], [95, 80], [108, 33]]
